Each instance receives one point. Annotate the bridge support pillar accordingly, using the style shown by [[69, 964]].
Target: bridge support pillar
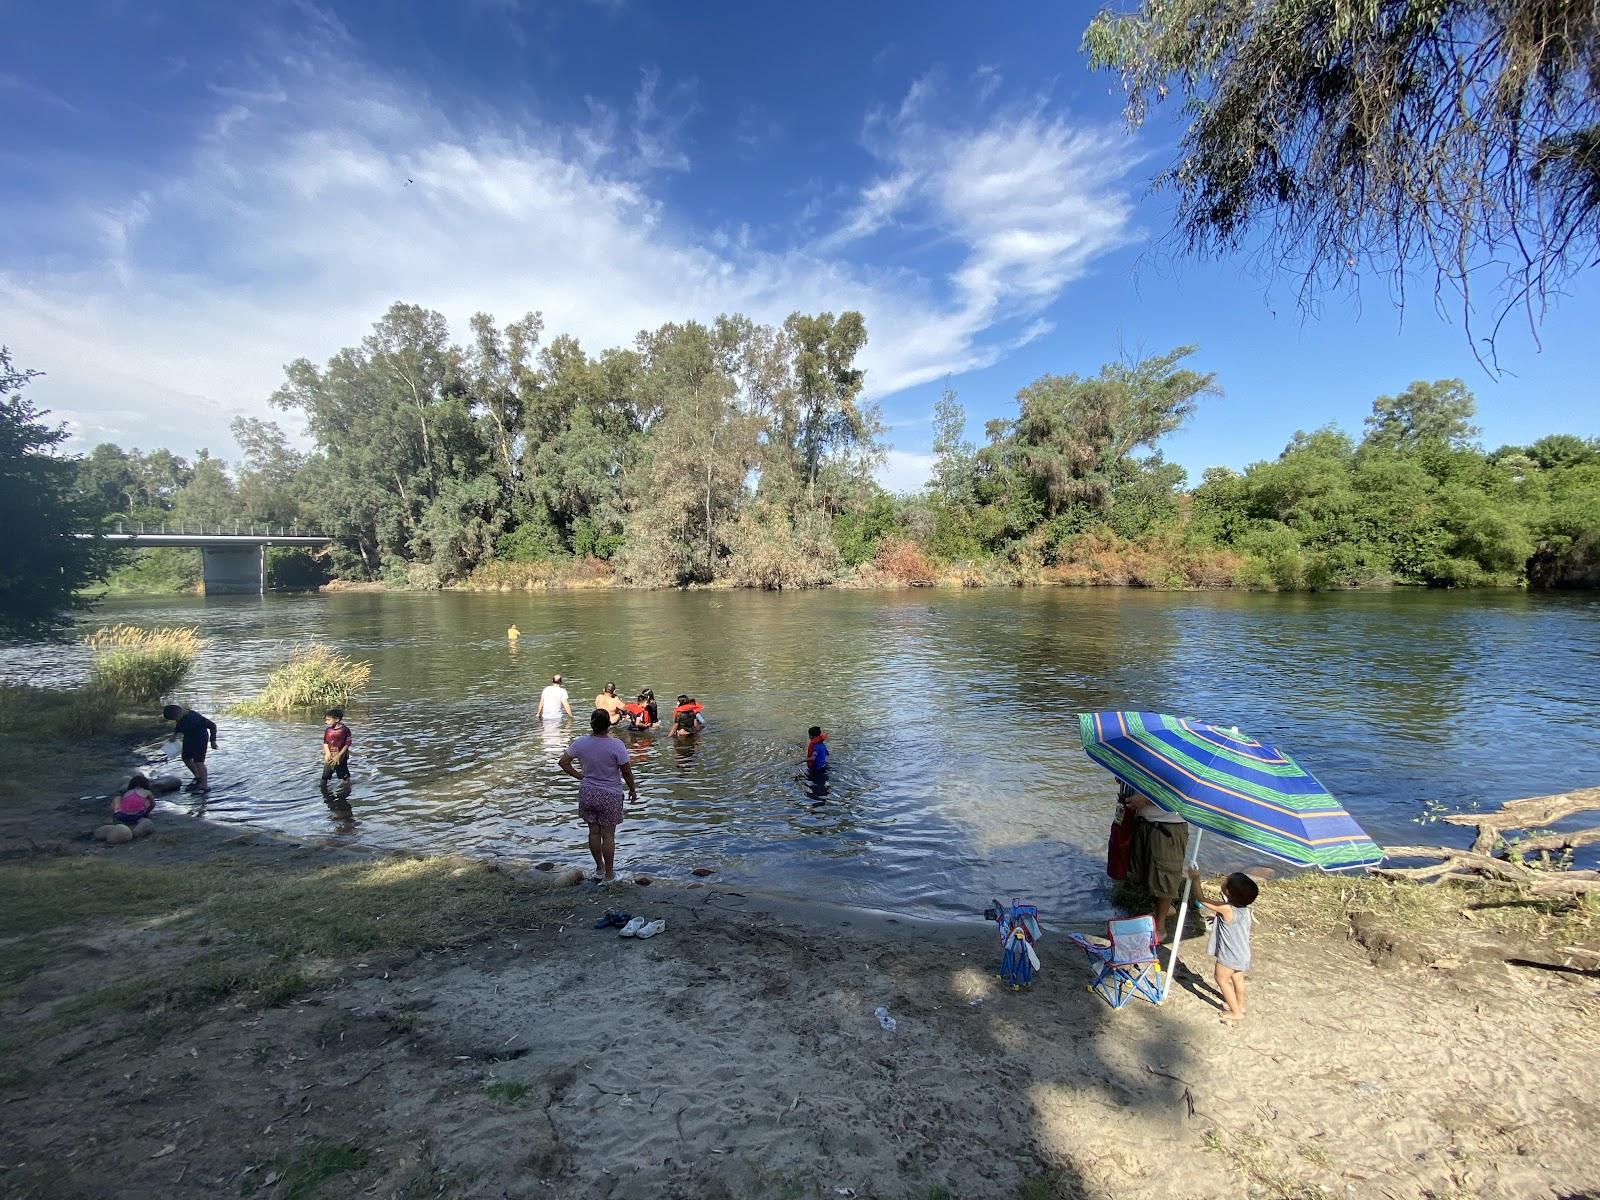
[[234, 571]]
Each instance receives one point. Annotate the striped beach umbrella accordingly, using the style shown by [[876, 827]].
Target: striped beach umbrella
[[1221, 780]]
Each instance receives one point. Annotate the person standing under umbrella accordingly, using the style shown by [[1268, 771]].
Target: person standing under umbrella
[[1160, 844]]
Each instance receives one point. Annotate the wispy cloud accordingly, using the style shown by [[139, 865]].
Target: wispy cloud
[[659, 119], [291, 227], [1031, 199], [15, 83]]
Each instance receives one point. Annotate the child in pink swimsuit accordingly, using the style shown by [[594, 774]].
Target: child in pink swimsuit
[[135, 804]]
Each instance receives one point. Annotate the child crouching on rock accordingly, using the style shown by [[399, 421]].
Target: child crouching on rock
[[130, 812], [1232, 943]]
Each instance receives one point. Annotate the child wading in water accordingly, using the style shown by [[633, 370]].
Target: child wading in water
[[816, 749], [1233, 921], [335, 748]]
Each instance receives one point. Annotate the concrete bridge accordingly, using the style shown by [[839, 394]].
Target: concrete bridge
[[233, 560]]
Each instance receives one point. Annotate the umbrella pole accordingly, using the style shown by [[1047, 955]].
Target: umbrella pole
[[1183, 911]]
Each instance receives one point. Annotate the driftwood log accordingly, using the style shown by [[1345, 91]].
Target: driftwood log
[[1490, 857]]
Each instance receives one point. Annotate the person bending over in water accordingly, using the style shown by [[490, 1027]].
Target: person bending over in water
[[604, 760], [687, 718], [642, 713], [196, 731], [611, 703]]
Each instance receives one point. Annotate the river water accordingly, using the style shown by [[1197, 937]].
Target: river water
[[957, 773]]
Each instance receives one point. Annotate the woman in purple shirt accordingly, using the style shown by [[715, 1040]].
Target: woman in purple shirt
[[604, 763]]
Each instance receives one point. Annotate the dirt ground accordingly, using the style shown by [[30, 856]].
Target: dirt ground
[[737, 1055]]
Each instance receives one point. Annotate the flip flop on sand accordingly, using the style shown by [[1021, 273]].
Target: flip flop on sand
[[653, 928], [631, 929]]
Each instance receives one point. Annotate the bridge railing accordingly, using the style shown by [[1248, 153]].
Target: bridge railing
[[215, 529]]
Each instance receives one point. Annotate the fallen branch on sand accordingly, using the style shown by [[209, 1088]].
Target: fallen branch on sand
[[1508, 865]]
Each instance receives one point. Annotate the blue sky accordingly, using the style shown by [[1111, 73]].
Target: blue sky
[[196, 194]]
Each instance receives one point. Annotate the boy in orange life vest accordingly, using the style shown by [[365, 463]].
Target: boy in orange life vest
[[816, 749], [335, 747]]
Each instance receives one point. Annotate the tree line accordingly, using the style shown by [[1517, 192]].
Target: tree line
[[741, 453]]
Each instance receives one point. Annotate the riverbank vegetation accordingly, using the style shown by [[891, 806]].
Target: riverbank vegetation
[[739, 454], [316, 677], [140, 664]]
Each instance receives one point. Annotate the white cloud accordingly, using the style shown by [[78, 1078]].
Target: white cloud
[[902, 471], [291, 227], [1031, 198]]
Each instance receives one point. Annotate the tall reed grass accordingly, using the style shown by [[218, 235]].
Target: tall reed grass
[[141, 664], [315, 677]]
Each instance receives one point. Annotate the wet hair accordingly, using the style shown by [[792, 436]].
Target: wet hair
[[336, 713], [171, 712], [1240, 889], [138, 781], [599, 721], [814, 731]]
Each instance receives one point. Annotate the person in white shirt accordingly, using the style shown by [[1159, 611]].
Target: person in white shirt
[[553, 702]]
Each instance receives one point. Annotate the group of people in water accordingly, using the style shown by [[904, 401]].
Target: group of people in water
[[598, 760], [636, 716]]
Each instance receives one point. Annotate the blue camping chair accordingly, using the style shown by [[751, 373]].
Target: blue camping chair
[[1127, 966]]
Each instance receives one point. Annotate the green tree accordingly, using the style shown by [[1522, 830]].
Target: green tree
[[209, 497], [1073, 438], [954, 459], [690, 485], [43, 565], [387, 416], [268, 478], [1339, 134], [1426, 416], [823, 442]]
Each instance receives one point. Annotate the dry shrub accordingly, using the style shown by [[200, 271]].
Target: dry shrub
[[141, 664], [773, 551], [497, 576], [315, 677], [1100, 558], [903, 560]]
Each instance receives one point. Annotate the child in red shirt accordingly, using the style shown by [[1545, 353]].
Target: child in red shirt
[[335, 747]]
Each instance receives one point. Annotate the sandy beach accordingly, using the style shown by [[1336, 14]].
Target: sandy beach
[[526, 1054]]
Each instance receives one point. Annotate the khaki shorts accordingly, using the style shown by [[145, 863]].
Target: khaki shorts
[[1159, 849]]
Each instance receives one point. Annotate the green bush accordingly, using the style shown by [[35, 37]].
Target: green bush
[[295, 570], [164, 571], [315, 677], [529, 541], [32, 714], [141, 664]]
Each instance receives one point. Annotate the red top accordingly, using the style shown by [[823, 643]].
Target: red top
[[336, 737]]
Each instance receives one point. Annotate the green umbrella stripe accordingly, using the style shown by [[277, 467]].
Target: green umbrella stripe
[[1227, 781], [1186, 806], [1286, 767]]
